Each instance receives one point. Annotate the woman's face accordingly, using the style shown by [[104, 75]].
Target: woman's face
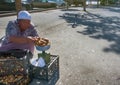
[[24, 24]]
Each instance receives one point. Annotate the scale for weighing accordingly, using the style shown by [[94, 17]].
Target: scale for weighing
[[43, 58], [51, 67], [43, 48]]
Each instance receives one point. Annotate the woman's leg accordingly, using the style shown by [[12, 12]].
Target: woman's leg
[[10, 46]]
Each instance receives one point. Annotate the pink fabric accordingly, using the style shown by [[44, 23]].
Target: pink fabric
[[17, 46]]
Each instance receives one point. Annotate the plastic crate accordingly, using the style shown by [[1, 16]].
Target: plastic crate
[[48, 71], [14, 67]]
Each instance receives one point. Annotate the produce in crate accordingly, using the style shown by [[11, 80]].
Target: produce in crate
[[12, 71], [14, 80]]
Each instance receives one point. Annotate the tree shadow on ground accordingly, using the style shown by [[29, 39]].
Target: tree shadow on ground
[[99, 27], [112, 9]]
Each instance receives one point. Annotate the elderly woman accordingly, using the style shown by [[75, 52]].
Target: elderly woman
[[20, 34]]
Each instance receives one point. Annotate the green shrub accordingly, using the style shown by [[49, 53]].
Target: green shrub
[[43, 5], [27, 6], [7, 7]]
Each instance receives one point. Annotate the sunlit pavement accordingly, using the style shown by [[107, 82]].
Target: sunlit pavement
[[89, 52]]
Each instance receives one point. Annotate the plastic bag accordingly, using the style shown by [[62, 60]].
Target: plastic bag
[[40, 62]]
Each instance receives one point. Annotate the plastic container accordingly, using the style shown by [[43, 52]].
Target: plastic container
[[46, 72], [42, 48]]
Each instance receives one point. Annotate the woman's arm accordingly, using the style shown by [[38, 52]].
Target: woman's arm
[[21, 40]]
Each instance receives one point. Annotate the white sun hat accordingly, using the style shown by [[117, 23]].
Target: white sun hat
[[24, 15]]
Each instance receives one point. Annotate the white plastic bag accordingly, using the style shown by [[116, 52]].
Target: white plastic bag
[[38, 62], [41, 62]]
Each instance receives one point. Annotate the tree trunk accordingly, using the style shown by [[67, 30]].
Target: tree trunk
[[67, 5], [97, 3], [90, 2], [84, 5], [18, 5]]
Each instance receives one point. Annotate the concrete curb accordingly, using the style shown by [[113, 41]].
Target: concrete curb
[[31, 11]]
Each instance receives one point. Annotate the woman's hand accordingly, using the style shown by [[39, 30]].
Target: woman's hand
[[32, 39]]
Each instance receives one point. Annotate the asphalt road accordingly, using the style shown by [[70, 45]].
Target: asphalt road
[[90, 52]]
